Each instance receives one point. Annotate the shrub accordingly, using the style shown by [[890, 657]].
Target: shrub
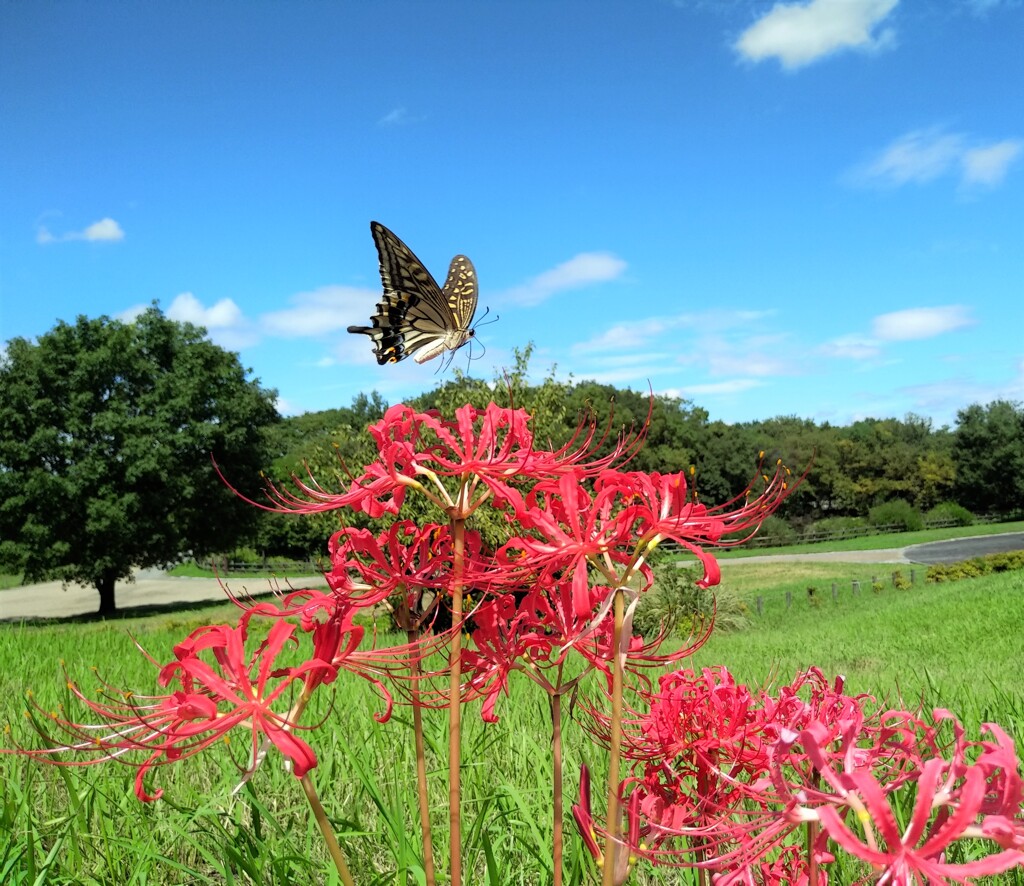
[[1006, 562], [898, 514], [775, 532], [900, 581], [830, 527], [949, 512], [676, 605]]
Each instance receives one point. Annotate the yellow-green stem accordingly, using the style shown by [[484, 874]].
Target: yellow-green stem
[[612, 821], [557, 839], [325, 828], [455, 704], [421, 771]]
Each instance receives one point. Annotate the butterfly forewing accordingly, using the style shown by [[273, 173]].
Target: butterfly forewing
[[460, 291], [415, 316]]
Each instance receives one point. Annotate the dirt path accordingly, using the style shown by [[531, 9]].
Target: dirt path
[[49, 600]]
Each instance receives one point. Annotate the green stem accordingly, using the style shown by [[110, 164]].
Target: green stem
[[421, 770], [613, 822], [455, 704], [325, 828], [557, 838]]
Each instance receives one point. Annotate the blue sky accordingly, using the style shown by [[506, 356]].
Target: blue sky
[[809, 208]]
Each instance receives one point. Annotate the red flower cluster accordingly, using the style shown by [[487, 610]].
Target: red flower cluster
[[723, 776]]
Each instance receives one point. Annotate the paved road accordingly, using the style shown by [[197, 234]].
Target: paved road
[[153, 591], [957, 549]]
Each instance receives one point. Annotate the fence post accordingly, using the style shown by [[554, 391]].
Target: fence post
[[760, 605], [789, 599], [835, 593], [856, 586], [912, 579]]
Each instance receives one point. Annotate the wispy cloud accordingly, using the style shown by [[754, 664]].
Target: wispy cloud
[[580, 270], [851, 347], [629, 335], [924, 155], [718, 388], [798, 34], [106, 230], [321, 312], [988, 166], [912, 324], [399, 116], [918, 323]]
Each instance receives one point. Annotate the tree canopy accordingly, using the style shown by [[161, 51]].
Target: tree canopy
[[106, 435]]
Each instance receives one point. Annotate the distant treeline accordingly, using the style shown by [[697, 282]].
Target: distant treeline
[[880, 470]]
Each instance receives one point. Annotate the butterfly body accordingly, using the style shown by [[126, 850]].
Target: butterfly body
[[415, 316]]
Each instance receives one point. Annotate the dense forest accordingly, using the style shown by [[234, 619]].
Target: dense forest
[[883, 471]]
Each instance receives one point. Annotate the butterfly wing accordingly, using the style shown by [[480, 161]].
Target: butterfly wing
[[415, 316]]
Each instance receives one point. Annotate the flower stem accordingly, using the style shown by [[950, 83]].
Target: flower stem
[[455, 704], [613, 819], [557, 839], [421, 770], [812, 861], [325, 828]]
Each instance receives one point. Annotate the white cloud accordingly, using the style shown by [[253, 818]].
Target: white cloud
[[106, 230], [918, 323], [733, 386], [625, 336], [580, 270], [851, 347], [924, 155], [128, 315], [224, 321], [919, 156], [321, 312], [800, 33], [988, 165]]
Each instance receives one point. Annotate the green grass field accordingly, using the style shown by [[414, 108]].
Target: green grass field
[[954, 645]]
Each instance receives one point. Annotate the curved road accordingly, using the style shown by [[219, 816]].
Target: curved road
[[152, 592]]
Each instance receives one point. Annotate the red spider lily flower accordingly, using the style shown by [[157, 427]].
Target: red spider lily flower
[[849, 795], [589, 831], [789, 867], [237, 691], [219, 685], [404, 556], [570, 531], [493, 446]]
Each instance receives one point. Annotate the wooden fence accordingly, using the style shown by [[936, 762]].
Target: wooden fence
[[897, 580]]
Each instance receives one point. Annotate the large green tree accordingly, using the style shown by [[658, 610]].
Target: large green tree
[[106, 435], [989, 456]]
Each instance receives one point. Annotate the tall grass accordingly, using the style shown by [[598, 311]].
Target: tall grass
[[954, 645]]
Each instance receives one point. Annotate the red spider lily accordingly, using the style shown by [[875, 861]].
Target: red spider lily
[[570, 531], [493, 446], [851, 775], [237, 691], [221, 687], [589, 830]]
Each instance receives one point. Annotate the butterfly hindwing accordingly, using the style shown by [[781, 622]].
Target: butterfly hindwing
[[415, 316]]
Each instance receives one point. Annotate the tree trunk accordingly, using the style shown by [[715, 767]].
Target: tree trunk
[[105, 585]]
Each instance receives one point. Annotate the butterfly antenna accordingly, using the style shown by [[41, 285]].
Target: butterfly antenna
[[482, 322], [483, 350]]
